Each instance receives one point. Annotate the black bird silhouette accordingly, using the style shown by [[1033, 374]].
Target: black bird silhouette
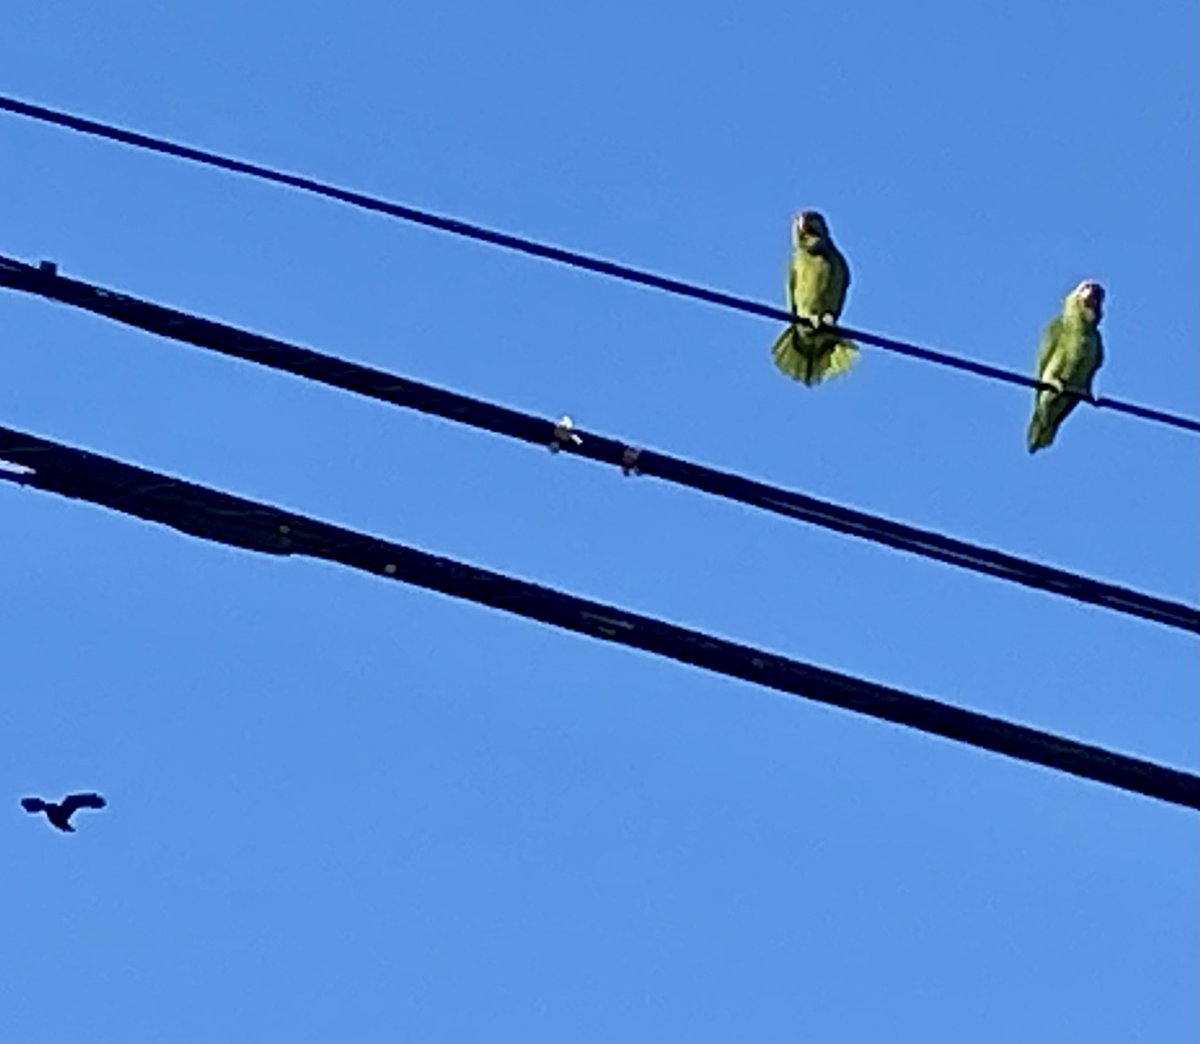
[[59, 812]]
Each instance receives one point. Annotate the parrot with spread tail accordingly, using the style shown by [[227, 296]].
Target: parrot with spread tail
[[1070, 354], [818, 279]]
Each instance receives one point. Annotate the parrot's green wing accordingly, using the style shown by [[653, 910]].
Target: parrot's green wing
[[1070, 355], [1050, 338], [839, 283], [1050, 408]]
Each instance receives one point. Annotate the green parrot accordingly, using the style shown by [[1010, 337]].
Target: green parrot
[[1070, 354], [818, 279]]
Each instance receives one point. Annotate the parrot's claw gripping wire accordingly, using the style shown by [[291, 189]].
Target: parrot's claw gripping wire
[[629, 459], [564, 434]]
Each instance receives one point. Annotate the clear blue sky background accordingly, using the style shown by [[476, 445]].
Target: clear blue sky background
[[345, 809]]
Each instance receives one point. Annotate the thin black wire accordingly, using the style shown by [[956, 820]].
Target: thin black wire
[[400, 391], [226, 519], [558, 254]]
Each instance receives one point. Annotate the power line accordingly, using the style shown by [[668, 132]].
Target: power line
[[254, 526], [400, 391], [557, 254]]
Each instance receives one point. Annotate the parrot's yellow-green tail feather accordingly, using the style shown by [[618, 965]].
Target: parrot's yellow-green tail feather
[[1040, 435], [1049, 412], [812, 357]]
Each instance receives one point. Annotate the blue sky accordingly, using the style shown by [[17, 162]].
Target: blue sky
[[344, 809]]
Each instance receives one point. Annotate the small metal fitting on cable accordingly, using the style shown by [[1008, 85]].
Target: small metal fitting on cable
[[629, 459], [564, 434]]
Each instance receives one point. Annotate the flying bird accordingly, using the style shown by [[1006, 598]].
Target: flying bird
[[1070, 354], [818, 279], [59, 812]]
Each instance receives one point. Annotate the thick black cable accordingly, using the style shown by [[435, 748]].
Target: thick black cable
[[557, 254], [386, 387], [221, 517]]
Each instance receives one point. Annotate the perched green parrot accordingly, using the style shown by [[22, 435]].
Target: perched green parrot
[[817, 283], [1070, 354]]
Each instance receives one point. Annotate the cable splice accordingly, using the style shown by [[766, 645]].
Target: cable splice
[[462, 409]]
